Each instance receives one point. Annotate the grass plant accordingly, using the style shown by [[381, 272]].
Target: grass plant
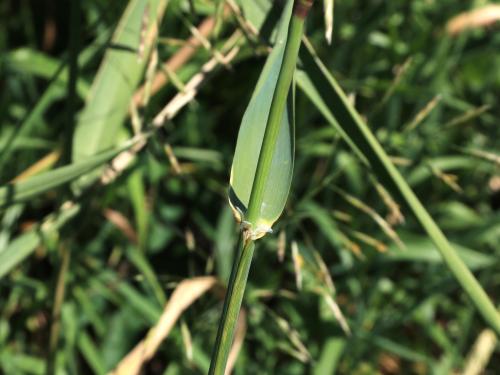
[[375, 167]]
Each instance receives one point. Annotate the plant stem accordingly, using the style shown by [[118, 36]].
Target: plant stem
[[56, 311], [246, 244], [232, 304], [71, 102]]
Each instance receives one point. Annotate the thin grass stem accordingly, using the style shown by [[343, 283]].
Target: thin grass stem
[[55, 321], [243, 259], [232, 304]]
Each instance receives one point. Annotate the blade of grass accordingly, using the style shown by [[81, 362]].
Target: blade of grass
[[25, 244], [117, 78], [421, 249], [91, 353], [25, 189], [250, 142], [38, 64], [55, 324], [348, 118], [71, 97], [185, 294]]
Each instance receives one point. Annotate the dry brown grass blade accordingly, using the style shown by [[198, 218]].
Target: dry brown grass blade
[[41, 165], [176, 167], [122, 223], [468, 116], [186, 293], [481, 353], [178, 59], [481, 17], [381, 222], [395, 216], [298, 263], [191, 89], [324, 273], [369, 240], [239, 338], [449, 179], [423, 113], [337, 313], [281, 246], [485, 155]]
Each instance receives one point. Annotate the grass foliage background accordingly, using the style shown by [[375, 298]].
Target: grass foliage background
[[133, 240]]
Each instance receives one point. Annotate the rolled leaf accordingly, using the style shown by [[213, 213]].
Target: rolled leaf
[[250, 139]]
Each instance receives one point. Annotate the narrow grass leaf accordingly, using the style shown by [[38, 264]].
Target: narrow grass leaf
[[24, 245], [421, 249], [358, 131], [184, 295], [91, 353], [43, 182], [28, 61], [55, 90], [330, 356], [119, 74]]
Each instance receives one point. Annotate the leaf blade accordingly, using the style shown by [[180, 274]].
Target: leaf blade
[[250, 139]]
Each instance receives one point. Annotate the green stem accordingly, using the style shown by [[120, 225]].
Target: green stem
[[232, 304], [243, 259], [71, 98], [56, 311]]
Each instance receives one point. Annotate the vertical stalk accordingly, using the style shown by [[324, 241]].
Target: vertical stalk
[[71, 102], [55, 320], [246, 244], [232, 304]]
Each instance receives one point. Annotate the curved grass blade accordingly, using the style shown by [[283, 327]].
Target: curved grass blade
[[22, 190], [358, 132], [250, 139], [39, 64], [421, 249]]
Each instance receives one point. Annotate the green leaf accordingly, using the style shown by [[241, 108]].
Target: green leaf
[[28, 61], [41, 183], [224, 244], [119, 74], [20, 363], [24, 245], [331, 354], [250, 138], [91, 353], [421, 249]]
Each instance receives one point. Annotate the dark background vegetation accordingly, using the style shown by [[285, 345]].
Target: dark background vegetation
[[406, 312]]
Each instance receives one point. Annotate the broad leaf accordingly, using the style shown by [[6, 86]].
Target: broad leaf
[[250, 139], [119, 74]]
